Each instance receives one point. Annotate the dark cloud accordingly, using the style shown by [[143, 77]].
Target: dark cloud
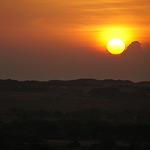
[[135, 48], [135, 44], [135, 62]]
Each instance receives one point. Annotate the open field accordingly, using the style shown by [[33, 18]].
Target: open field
[[83, 114]]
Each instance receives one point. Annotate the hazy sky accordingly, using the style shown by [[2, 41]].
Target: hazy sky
[[66, 39]]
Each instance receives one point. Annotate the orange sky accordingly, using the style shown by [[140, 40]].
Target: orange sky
[[35, 31]]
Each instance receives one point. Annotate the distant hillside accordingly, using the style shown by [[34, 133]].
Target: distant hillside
[[15, 85], [75, 94]]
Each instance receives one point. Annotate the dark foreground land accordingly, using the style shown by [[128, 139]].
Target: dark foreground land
[[84, 114]]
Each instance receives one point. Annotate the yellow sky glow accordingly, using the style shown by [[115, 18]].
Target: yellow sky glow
[[93, 20]]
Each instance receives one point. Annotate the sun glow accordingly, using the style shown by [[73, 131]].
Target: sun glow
[[107, 33], [115, 46]]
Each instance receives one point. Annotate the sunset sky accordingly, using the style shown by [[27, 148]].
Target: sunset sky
[[67, 39]]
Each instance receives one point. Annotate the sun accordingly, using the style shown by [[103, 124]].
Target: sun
[[104, 34], [116, 46]]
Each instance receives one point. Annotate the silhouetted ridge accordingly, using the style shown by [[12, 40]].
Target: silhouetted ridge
[[108, 88], [143, 83], [84, 82]]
